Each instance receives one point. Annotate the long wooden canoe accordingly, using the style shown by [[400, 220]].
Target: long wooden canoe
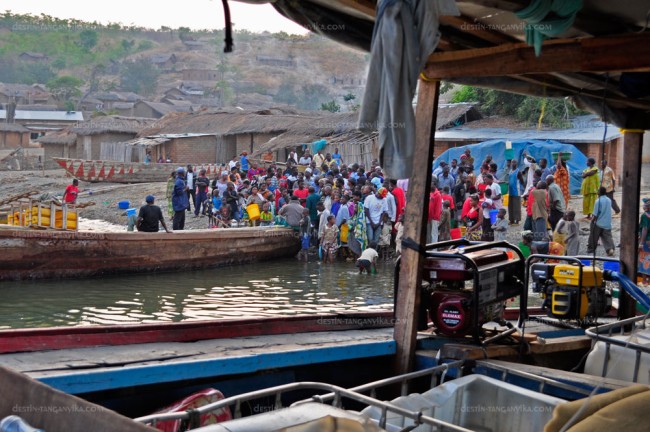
[[33, 254], [124, 172]]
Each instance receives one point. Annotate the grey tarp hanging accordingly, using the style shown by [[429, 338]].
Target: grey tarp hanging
[[405, 33]]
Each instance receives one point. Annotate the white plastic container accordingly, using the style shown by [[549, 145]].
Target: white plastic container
[[479, 403], [620, 364]]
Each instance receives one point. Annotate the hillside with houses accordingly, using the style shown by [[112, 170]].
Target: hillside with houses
[[119, 70]]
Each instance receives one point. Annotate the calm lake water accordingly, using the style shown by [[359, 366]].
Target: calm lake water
[[284, 287]]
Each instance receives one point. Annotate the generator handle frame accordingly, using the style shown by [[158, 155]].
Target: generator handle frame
[[473, 247], [523, 306]]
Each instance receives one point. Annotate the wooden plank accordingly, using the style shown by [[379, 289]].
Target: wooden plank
[[57, 338], [538, 347], [561, 344], [628, 52], [476, 28], [128, 377], [415, 226], [472, 352], [631, 187]]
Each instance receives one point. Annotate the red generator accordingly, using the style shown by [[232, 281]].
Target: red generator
[[469, 284]]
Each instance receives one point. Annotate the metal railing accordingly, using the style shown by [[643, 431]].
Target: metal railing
[[336, 395], [606, 333]]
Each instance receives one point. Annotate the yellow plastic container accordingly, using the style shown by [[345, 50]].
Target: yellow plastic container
[[253, 211], [506, 198], [566, 274]]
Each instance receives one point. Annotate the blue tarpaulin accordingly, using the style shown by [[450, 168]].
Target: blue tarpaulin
[[536, 148]]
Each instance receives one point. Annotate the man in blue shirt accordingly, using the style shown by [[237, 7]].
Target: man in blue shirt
[[180, 202], [446, 179], [514, 196], [244, 162], [601, 224]]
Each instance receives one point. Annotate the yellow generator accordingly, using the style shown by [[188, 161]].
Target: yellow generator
[[571, 292]]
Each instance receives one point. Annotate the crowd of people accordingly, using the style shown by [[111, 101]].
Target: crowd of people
[[342, 209], [474, 203]]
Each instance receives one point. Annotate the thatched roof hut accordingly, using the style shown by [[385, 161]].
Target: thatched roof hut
[[112, 124]]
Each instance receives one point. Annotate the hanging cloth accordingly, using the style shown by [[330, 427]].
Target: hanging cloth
[[405, 33], [547, 18]]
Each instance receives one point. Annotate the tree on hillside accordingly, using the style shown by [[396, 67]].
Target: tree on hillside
[[286, 93], [185, 34], [139, 77], [311, 96], [330, 106], [349, 99], [554, 112], [88, 39], [65, 87]]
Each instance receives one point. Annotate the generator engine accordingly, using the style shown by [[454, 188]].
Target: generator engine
[[569, 294], [469, 286]]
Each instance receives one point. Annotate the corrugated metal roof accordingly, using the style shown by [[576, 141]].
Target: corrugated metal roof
[[574, 135], [72, 116]]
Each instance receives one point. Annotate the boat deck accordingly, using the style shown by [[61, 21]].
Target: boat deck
[[84, 370]]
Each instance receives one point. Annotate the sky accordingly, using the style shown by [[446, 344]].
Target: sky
[[195, 14]]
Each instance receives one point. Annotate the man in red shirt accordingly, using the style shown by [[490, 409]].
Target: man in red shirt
[[400, 197], [435, 210], [301, 193], [446, 196], [71, 192]]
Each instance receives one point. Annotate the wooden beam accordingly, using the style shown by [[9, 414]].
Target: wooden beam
[[415, 226], [631, 187], [628, 52], [476, 28]]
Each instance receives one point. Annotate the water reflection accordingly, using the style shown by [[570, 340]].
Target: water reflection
[[283, 287]]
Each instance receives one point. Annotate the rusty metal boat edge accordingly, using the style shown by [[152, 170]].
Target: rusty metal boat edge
[[49, 254]]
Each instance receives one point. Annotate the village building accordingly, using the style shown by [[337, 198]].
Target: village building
[[33, 56], [164, 62], [148, 109], [92, 140], [39, 122], [201, 75], [35, 94], [339, 130], [276, 61]]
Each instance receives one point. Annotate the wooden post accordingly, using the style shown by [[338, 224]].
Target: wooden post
[[631, 187], [415, 226]]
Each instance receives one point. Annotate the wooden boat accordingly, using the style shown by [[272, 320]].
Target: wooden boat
[[36, 254], [124, 172]]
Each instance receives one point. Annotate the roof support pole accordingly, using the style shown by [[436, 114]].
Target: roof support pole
[[407, 299], [631, 187]]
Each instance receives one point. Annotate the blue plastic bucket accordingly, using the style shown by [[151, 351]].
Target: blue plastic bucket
[[123, 205], [493, 216], [130, 212], [586, 262]]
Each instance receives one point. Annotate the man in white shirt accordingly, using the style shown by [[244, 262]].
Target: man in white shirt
[[496, 191], [318, 159], [375, 206], [323, 215], [233, 163], [305, 159]]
